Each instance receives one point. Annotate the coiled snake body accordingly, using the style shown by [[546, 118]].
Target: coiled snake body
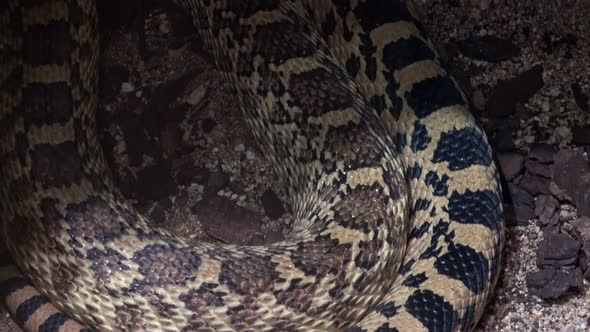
[[392, 184]]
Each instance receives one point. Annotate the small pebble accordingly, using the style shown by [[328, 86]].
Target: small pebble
[[554, 92], [196, 95], [239, 148], [127, 87], [568, 328], [250, 155], [564, 133], [479, 101], [545, 106]]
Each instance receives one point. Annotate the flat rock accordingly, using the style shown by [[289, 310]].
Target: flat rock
[[535, 167], [535, 184], [557, 250], [508, 93], [581, 135], [488, 48], [519, 196], [546, 210], [542, 152], [273, 207], [511, 164], [217, 180], [155, 182], [581, 228], [503, 140], [582, 100], [571, 177], [226, 221], [550, 284], [518, 214]]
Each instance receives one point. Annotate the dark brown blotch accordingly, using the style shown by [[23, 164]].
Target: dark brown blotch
[[95, 220], [105, 262], [199, 300], [320, 90], [363, 208], [240, 277], [56, 165], [49, 43], [322, 256], [47, 103], [166, 264]]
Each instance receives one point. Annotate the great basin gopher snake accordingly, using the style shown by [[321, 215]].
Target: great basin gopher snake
[[393, 186]]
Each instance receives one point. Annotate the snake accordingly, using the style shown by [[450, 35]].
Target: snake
[[392, 184]]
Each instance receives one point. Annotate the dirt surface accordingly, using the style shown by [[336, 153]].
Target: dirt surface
[[179, 149]]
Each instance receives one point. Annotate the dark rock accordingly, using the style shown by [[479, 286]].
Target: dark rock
[[217, 180], [166, 93], [208, 124], [273, 207], [225, 220], [518, 214], [581, 229], [511, 164], [274, 236], [503, 140], [137, 139], [542, 152], [111, 78], [571, 177], [170, 140], [488, 48], [551, 284], [114, 14], [187, 174], [157, 215], [557, 250], [519, 196], [582, 99], [553, 42], [237, 187], [537, 168], [535, 184], [181, 23], [581, 135], [447, 51], [508, 93], [546, 209], [155, 182]]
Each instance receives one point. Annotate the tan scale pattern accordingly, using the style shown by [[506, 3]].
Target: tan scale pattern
[[342, 131]]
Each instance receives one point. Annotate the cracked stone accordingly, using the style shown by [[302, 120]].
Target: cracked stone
[[537, 168], [511, 164], [574, 188], [551, 284], [557, 250], [542, 152], [546, 210]]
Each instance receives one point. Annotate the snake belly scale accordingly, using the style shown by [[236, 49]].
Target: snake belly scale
[[396, 197]]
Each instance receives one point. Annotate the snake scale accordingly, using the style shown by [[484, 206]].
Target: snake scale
[[394, 191]]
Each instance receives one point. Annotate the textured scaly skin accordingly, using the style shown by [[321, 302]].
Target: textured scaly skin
[[392, 183]]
